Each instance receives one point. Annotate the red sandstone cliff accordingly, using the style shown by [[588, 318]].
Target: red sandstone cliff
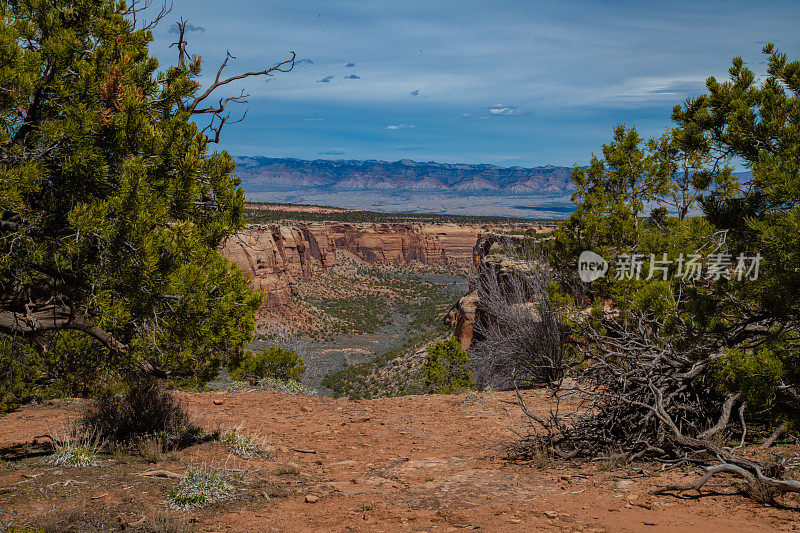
[[274, 256]]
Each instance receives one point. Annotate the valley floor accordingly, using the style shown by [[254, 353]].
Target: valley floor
[[414, 463]]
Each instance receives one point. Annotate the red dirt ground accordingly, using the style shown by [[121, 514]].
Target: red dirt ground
[[416, 463]]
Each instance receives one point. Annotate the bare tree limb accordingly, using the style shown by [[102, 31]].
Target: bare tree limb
[[284, 66], [33, 323]]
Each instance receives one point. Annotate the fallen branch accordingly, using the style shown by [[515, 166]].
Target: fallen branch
[[161, 473]]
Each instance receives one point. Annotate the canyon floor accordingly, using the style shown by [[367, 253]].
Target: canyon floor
[[414, 463]]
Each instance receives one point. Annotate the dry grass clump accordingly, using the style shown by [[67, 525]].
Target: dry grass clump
[[77, 447]]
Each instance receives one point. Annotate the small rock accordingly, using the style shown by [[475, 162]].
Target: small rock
[[566, 477], [269, 450], [218, 402], [304, 408], [312, 498], [551, 514], [631, 497], [623, 483]]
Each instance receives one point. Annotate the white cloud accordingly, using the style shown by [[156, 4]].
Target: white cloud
[[500, 110], [399, 126]]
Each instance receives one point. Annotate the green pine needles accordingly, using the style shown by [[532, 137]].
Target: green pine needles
[[112, 206]]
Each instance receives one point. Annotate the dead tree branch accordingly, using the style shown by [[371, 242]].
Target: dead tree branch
[[219, 114]]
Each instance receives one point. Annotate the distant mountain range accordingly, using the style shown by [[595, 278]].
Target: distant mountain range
[[261, 174]]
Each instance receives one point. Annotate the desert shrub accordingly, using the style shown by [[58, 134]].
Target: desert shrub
[[199, 487], [145, 408], [71, 366], [245, 446], [446, 368], [149, 448], [519, 337], [292, 386], [237, 386], [273, 362], [17, 366], [73, 454], [77, 448]]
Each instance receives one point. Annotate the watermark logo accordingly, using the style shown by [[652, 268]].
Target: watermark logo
[[591, 266], [714, 266]]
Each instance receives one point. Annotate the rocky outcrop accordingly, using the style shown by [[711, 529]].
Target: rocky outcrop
[[275, 255], [487, 259], [462, 318]]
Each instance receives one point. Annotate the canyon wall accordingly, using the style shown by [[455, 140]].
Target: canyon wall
[[276, 255]]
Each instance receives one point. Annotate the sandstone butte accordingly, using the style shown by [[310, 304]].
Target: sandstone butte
[[276, 255]]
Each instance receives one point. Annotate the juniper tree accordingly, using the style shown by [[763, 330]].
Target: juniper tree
[[112, 204], [672, 367]]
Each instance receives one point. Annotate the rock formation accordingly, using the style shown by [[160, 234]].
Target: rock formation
[[487, 259], [275, 255]]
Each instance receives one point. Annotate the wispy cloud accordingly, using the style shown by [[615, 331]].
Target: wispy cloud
[[500, 110], [352, 77], [331, 152], [648, 91], [562, 72], [679, 88], [189, 27], [399, 126]]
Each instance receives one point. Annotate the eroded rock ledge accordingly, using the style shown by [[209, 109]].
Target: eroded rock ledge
[[487, 260], [275, 255]]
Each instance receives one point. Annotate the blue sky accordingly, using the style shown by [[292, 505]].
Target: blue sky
[[501, 82]]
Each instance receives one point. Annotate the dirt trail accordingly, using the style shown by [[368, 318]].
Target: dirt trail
[[427, 463]]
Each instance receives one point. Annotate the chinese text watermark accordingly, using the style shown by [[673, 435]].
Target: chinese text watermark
[[692, 267]]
